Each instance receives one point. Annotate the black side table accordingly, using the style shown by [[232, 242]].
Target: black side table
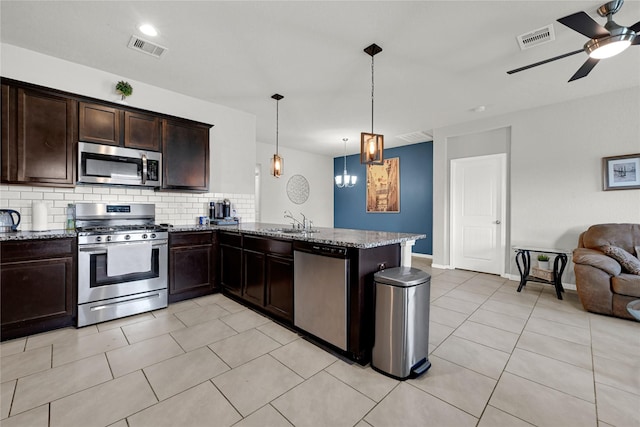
[[523, 261]]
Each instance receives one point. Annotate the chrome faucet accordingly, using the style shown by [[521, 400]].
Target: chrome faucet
[[288, 214], [305, 224]]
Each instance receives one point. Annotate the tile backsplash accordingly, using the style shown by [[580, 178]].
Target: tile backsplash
[[171, 207]]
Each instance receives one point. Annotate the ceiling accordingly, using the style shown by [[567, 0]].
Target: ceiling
[[440, 59]]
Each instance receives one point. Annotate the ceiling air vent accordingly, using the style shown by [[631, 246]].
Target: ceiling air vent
[[415, 137], [145, 46], [536, 37]]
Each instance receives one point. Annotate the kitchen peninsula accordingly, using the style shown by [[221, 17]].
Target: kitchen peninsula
[[257, 264], [319, 280]]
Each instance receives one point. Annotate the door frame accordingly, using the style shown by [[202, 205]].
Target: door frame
[[503, 210]]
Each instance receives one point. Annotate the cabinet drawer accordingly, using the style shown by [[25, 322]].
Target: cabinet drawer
[[230, 239], [190, 238], [27, 250], [271, 246]]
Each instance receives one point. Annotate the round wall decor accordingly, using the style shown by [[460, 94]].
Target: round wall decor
[[298, 189]]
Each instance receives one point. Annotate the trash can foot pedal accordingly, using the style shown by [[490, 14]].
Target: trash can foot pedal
[[420, 368]]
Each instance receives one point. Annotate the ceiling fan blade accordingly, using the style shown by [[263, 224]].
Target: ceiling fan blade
[[584, 24], [555, 58], [585, 69], [636, 27]]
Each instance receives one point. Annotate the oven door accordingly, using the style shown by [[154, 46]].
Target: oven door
[[95, 285]]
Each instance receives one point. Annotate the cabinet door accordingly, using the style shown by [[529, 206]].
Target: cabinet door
[[279, 287], [45, 138], [253, 279], [9, 147], [189, 269], [141, 131], [185, 152], [37, 296], [231, 269], [99, 124]]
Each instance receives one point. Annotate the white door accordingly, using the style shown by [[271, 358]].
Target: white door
[[478, 206]]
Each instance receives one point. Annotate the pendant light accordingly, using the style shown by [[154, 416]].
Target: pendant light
[[371, 144], [345, 180], [277, 162]]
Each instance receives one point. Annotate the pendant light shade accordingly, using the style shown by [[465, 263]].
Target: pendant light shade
[[277, 162], [372, 144], [345, 180]]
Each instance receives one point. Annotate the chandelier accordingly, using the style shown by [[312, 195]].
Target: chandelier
[[345, 180]]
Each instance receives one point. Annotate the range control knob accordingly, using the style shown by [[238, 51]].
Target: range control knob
[[108, 238], [127, 237], [144, 236], [153, 235], [98, 239]]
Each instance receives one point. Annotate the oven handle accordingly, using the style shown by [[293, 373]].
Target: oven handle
[[102, 249], [144, 169], [112, 304]]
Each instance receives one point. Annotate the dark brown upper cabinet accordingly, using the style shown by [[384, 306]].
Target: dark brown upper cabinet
[[39, 130], [103, 124], [185, 156]]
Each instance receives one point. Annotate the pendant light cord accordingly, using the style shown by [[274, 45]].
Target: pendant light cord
[[372, 89], [345, 157], [277, 123]]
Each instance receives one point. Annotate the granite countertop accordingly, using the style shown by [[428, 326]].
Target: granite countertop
[[36, 235], [362, 239]]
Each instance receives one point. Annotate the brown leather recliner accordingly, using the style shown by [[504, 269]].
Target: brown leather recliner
[[603, 285]]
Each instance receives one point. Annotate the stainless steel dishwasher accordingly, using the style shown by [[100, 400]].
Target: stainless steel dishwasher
[[321, 279]]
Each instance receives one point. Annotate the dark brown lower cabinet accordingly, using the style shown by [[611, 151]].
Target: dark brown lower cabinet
[[191, 264], [230, 262], [37, 286], [253, 269], [268, 275], [279, 286]]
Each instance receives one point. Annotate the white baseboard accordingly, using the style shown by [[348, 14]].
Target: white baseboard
[[421, 255], [442, 267]]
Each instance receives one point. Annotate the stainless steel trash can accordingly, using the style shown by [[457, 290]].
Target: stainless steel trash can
[[401, 337]]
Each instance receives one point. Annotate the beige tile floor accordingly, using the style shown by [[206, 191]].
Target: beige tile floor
[[499, 358]]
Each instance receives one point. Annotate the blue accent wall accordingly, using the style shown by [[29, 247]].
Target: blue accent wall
[[416, 196]]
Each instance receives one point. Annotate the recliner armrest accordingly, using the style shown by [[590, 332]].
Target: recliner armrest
[[596, 259]]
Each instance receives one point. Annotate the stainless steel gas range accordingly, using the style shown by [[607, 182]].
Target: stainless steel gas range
[[122, 261]]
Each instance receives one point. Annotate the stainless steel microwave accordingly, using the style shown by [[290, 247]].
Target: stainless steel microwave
[[107, 164]]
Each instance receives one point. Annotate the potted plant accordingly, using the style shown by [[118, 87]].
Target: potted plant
[[543, 261], [124, 89]]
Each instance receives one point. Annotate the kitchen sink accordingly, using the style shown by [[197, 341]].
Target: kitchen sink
[[291, 230]]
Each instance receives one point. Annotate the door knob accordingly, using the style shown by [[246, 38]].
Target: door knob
[[497, 221]]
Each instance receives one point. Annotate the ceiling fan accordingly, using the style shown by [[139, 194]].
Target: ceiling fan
[[605, 41]]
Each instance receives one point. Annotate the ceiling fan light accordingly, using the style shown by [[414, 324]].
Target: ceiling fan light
[[606, 47]]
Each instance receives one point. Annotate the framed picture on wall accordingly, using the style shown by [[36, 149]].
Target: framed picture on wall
[[383, 187], [621, 172]]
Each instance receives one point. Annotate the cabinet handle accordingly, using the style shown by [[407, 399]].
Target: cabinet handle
[[497, 221]]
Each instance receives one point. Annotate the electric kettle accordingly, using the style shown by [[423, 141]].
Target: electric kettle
[[7, 223]]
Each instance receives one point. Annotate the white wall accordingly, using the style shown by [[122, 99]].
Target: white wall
[[555, 169], [233, 136], [317, 169]]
